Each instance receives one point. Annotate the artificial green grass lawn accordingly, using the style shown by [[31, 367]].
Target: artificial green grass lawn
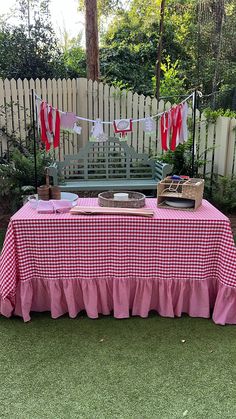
[[108, 368]]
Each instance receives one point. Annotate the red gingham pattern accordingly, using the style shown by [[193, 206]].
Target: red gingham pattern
[[174, 244]]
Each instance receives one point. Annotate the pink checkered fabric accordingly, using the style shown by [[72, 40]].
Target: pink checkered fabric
[[174, 244]]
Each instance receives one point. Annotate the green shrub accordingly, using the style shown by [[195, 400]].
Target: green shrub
[[223, 193], [17, 178], [181, 159]]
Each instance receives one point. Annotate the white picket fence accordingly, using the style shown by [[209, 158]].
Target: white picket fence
[[94, 100]]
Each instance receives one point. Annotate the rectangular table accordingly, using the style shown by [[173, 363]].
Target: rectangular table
[[176, 262]]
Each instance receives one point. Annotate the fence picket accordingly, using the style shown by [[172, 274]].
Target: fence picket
[[140, 133], [15, 117], [82, 109], [2, 105], [27, 104], [154, 142], [74, 109], [9, 127], [221, 145], [135, 125], [111, 109], [90, 105], [106, 101]]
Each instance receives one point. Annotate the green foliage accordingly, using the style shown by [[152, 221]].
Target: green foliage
[[17, 178], [24, 165], [73, 56], [24, 57], [181, 159], [31, 50], [206, 58], [74, 59], [223, 193], [2, 236], [172, 83], [129, 47], [212, 115], [8, 182], [9, 188]]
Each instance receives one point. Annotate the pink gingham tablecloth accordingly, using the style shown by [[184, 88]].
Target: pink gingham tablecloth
[[177, 261]]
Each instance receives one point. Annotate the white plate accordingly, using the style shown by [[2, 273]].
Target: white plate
[[180, 203]]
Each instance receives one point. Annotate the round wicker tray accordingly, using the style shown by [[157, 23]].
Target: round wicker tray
[[135, 200]]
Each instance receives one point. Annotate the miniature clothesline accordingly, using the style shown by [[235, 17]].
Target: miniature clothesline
[[133, 120]]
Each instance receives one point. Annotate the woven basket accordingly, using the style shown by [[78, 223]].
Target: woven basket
[[135, 200], [43, 192], [55, 192], [191, 189]]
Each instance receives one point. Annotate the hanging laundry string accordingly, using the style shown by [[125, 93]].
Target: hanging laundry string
[[37, 98], [173, 124]]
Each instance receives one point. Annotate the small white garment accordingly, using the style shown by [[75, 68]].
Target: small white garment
[[97, 133], [149, 125], [122, 126], [77, 129], [183, 135], [68, 120]]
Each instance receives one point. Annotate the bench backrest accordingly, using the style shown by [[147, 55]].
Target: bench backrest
[[112, 159]]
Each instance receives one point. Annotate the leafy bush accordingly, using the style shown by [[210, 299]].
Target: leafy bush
[[212, 115], [223, 193], [25, 173], [17, 178], [181, 159]]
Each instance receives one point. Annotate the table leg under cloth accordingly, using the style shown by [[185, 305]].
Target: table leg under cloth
[[178, 262]]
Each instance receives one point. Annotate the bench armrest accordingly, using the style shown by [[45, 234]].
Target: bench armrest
[[53, 172], [162, 170]]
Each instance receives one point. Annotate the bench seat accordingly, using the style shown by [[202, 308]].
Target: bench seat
[[101, 185]]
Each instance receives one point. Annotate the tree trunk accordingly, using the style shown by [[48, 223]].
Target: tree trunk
[[159, 50], [92, 50]]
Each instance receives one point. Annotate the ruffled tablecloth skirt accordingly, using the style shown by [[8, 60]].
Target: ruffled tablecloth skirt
[[122, 298]]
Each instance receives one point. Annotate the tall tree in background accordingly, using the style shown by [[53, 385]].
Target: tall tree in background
[[159, 50], [91, 33], [30, 50]]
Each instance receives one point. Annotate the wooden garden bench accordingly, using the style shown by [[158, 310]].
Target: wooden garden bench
[[110, 165]]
